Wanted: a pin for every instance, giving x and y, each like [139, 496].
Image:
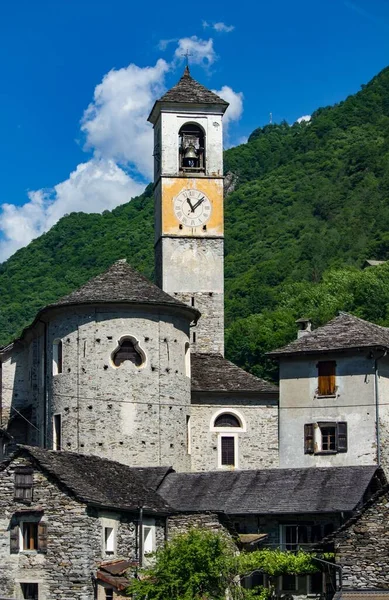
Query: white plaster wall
[353, 403]
[171, 123]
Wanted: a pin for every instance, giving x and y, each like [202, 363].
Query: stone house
[65, 518]
[334, 395]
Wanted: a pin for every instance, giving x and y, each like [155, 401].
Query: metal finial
[187, 54]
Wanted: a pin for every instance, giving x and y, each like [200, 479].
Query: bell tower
[188, 195]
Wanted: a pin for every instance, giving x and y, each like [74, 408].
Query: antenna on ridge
[271, 119]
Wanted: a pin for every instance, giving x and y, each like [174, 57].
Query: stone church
[122, 423]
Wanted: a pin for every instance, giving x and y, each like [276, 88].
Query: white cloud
[234, 111]
[163, 44]
[223, 28]
[94, 186]
[306, 118]
[116, 130]
[201, 52]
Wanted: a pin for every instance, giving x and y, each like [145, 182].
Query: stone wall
[257, 441]
[74, 540]
[362, 547]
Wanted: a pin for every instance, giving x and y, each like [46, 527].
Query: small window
[29, 591]
[293, 537]
[24, 483]
[57, 357]
[227, 451]
[325, 438]
[57, 432]
[149, 543]
[187, 359]
[326, 378]
[28, 535]
[227, 420]
[188, 435]
[108, 593]
[128, 349]
[315, 583]
[109, 540]
[288, 583]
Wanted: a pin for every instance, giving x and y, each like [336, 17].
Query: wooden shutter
[14, 538]
[326, 376]
[42, 537]
[342, 436]
[308, 439]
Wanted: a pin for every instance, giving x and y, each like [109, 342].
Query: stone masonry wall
[74, 540]
[257, 446]
[363, 548]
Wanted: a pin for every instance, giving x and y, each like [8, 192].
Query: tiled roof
[212, 372]
[344, 332]
[100, 481]
[269, 491]
[120, 283]
[189, 90]
[362, 594]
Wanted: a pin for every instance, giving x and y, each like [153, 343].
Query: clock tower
[188, 194]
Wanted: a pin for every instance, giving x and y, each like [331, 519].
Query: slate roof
[120, 283]
[362, 594]
[212, 372]
[100, 481]
[342, 333]
[268, 491]
[190, 90]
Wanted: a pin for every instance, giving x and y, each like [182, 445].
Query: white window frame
[56, 343]
[148, 525]
[188, 435]
[187, 360]
[109, 540]
[228, 411]
[234, 435]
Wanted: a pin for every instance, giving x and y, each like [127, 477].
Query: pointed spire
[186, 71]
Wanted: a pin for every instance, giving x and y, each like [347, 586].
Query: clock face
[192, 208]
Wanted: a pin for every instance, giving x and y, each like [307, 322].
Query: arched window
[187, 359]
[128, 349]
[227, 420]
[228, 425]
[191, 148]
[57, 357]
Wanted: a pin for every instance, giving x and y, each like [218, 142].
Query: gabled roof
[189, 91]
[344, 332]
[101, 482]
[212, 372]
[269, 491]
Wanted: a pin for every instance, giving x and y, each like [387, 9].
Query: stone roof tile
[212, 372]
[341, 333]
[269, 491]
[190, 90]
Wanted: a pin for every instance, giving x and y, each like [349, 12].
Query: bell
[190, 152]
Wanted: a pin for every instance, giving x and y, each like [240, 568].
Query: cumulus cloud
[201, 51]
[306, 118]
[94, 186]
[219, 27]
[121, 141]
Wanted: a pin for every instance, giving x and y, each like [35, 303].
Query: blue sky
[283, 57]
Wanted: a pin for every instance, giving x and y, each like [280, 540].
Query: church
[122, 422]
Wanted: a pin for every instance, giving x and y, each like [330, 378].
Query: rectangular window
[23, 483]
[149, 540]
[108, 593]
[188, 435]
[325, 438]
[28, 535]
[57, 432]
[109, 540]
[227, 450]
[293, 537]
[29, 591]
[326, 378]
[288, 583]
[315, 583]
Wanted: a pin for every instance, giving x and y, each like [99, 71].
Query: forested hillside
[311, 204]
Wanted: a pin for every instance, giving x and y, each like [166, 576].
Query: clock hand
[190, 204]
[198, 203]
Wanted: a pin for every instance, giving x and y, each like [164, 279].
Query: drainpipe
[377, 407]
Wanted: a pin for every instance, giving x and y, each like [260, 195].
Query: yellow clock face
[192, 208]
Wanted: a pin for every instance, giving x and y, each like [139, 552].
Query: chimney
[304, 327]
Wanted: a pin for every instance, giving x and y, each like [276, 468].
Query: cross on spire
[187, 54]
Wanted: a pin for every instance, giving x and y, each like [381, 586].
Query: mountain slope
[312, 202]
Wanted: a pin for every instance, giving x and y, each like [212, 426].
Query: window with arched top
[227, 420]
[128, 349]
[57, 357]
[228, 424]
[191, 145]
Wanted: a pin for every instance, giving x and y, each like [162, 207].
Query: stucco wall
[353, 403]
[257, 442]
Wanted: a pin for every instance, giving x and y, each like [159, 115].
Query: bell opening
[191, 148]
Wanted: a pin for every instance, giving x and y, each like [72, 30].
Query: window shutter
[326, 375]
[342, 436]
[14, 539]
[42, 537]
[308, 439]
